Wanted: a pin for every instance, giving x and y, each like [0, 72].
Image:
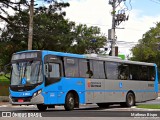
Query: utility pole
[30, 33]
[113, 28]
[116, 20]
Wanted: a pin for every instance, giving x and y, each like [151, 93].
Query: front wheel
[69, 102]
[130, 99]
[41, 107]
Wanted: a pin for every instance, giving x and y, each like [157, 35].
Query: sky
[143, 14]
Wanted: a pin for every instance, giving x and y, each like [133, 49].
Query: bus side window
[71, 67]
[83, 68]
[134, 72]
[111, 70]
[123, 72]
[143, 73]
[54, 70]
[151, 73]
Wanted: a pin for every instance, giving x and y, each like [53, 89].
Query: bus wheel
[41, 107]
[130, 99]
[69, 102]
[103, 105]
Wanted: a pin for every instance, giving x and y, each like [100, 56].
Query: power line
[155, 1]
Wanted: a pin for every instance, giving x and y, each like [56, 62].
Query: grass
[3, 78]
[4, 86]
[149, 106]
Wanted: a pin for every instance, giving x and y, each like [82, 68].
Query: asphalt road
[84, 112]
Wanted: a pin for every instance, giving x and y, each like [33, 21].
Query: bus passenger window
[83, 68]
[111, 70]
[143, 73]
[90, 73]
[71, 67]
[152, 78]
[123, 72]
[151, 73]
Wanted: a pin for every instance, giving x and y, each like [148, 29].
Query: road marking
[4, 106]
[18, 106]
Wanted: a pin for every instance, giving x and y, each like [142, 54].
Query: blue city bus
[48, 78]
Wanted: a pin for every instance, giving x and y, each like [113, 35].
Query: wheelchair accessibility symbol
[120, 84]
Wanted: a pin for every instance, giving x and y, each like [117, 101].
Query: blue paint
[61, 88]
[61, 54]
[156, 80]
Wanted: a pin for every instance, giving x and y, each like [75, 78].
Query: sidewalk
[4, 98]
[4, 103]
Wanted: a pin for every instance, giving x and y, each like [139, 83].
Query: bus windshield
[31, 71]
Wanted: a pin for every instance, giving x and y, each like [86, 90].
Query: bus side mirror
[50, 68]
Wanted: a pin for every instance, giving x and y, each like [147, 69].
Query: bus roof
[118, 59]
[90, 56]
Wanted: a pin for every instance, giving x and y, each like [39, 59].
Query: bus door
[53, 72]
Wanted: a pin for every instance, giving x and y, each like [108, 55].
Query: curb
[144, 109]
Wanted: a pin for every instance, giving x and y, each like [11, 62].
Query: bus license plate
[20, 100]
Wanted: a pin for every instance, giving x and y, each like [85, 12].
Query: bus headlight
[37, 93]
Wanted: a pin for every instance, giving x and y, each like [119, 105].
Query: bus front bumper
[26, 100]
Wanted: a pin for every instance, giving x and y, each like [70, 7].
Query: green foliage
[87, 39]
[14, 5]
[51, 31]
[148, 49]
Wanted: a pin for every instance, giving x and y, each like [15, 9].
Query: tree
[87, 39]
[51, 32]
[15, 6]
[14, 38]
[148, 49]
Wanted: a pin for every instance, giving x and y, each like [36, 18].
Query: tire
[69, 102]
[41, 107]
[103, 105]
[130, 99]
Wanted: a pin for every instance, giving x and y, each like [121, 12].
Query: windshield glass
[30, 71]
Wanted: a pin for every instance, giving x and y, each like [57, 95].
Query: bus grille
[26, 99]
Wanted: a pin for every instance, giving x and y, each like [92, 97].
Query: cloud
[92, 12]
[98, 13]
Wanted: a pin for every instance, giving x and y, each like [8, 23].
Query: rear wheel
[41, 107]
[130, 99]
[69, 102]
